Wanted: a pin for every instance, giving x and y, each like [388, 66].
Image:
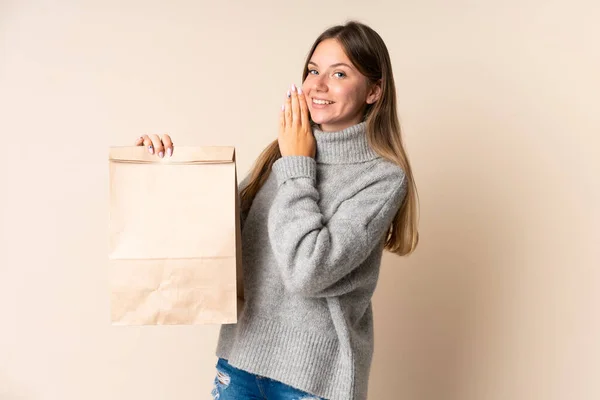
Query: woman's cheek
[309, 104]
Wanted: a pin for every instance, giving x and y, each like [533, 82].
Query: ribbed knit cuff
[288, 167]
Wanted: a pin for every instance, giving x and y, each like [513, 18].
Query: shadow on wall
[431, 335]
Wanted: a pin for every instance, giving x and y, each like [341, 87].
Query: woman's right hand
[156, 145]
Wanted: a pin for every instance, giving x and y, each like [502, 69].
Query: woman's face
[335, 91]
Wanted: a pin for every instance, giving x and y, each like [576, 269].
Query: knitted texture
[312, 243]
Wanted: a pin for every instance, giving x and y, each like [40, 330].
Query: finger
[147, 142]
[168, 143]
[288, 109]
[282, 118]
[139, 141]
[303, 108]
[158, 145]
[296, 118]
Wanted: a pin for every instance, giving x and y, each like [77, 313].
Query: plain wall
[499, 107]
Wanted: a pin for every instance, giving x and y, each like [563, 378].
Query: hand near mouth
[295, 133]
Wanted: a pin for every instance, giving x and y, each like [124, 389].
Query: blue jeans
[234, 384]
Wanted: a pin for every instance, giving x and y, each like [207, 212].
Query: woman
[319, 207]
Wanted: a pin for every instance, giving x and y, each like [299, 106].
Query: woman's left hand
[295, 133]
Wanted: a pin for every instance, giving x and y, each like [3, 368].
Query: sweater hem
[306, 360]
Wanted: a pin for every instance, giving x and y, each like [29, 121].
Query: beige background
[500, 110]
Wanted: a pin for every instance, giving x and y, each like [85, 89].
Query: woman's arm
[314, 256]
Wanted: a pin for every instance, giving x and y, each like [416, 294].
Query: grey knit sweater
[312, 243]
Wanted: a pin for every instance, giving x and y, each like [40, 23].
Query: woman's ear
[374, 92]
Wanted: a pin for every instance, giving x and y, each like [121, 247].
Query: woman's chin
[319, 119]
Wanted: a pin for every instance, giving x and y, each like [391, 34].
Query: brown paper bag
[174, 237]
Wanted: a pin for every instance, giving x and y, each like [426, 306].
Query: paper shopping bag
[174, 237]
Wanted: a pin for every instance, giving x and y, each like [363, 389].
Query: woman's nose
[320, 83]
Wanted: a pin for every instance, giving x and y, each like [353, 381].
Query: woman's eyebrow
[332, 65]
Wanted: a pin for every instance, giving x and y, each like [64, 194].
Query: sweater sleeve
[313, 255]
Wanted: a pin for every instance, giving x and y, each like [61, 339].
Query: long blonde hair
[369, 54]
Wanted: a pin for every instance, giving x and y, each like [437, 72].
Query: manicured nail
[282, 107]
[293, 87]
[289, 94]
[161, 154]
[169, 152]
[150, 149]
[299, 90]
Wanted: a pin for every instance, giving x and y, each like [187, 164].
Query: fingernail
[289, 94]
[299, 90]
[169, 152]
[150, 150]
[282, 107]
[293, 87]
[161, 154]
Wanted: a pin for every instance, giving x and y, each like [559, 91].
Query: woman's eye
[338, 74]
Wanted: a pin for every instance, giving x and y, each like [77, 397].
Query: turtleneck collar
[347, 146]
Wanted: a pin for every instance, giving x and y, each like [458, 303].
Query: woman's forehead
[329, 53]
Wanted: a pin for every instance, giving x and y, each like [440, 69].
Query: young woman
[319, 207]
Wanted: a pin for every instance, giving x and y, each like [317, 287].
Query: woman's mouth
[321, 102]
